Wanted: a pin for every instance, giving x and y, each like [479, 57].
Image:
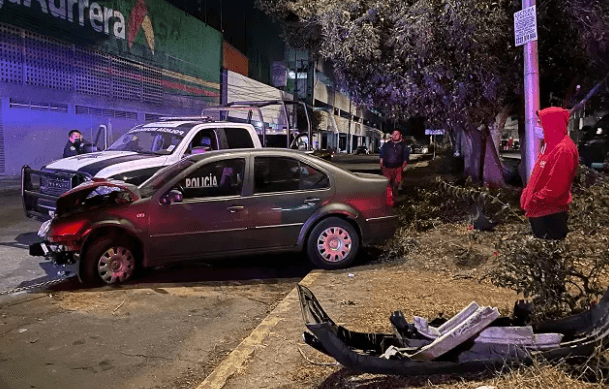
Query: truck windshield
[162, 176]
[153, 141]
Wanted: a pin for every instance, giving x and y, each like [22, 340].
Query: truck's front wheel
[109, 260]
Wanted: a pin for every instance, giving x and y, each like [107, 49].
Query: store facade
[76, 64]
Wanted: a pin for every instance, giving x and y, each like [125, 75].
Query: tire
[109, 260]
[333, 244]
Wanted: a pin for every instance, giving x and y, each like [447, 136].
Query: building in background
[77, 65]
[343, 125]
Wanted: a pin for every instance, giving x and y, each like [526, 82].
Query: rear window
[238, 138]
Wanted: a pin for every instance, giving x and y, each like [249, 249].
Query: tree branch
[581, 104]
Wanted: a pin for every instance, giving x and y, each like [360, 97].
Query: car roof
[181, 122]
[265, 151]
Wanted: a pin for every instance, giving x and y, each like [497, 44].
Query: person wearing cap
[547, 195]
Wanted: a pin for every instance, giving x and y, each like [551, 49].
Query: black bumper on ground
[362, 352]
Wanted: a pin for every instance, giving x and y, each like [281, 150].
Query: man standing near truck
[76, 145]
[394, 158]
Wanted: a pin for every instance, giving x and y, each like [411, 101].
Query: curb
[240, 355]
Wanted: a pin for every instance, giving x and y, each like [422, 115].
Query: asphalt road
[17, 268]
[145, 336]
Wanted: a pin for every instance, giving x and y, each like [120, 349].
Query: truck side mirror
[101, 130]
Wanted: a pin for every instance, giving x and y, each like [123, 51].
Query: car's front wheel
[109, 260]
[333, 244]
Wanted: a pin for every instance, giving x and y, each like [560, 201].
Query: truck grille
[54, 186]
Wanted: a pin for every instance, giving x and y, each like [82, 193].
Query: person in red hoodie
[547, 196]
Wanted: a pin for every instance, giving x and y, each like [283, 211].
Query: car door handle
[235, 208]
[311, 200]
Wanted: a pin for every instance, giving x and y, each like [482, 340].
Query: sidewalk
[10, 184]
[361, 299]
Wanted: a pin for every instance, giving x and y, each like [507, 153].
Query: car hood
[93, 163]
[71, 200]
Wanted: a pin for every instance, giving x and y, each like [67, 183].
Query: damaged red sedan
[218, 204]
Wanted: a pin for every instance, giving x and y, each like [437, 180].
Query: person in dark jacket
[547, 196]
[76, 145]
[394, 158]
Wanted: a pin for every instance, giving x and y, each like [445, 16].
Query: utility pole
[349, 147]
[295, 109]
[525, 29]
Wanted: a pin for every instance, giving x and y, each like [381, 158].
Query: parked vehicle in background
[420, 149]
[362, 150]
[326, 154]
[594, 145]
[218, 204]
[133, 158]
[416, 147]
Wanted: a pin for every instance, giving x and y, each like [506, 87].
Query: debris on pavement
[476, 339]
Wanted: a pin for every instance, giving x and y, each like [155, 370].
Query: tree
[452, 62]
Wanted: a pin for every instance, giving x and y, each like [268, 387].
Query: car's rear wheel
[333, 244]
[109, 260]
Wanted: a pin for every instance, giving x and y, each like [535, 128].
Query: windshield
[161, 141]
[162, 176]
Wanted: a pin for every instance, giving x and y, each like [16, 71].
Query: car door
[210, 219]
[286, 192]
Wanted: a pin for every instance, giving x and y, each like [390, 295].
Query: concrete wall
[36, 121]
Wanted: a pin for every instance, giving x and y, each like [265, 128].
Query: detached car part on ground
[474, 340]
[218, 204]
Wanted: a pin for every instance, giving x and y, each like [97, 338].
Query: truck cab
[132, 158]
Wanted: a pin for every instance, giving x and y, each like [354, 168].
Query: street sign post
[429, 131]
[525, 33]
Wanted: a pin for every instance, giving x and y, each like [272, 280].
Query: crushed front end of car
[64, 234]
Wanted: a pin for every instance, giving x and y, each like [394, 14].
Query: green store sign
[97, 18]
[144, 30]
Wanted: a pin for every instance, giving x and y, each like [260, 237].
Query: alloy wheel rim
[334, 244]
[116, 265]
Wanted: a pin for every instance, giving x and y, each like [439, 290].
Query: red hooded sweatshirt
[549, 188]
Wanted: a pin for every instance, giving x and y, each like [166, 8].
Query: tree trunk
[522, 169]
[493, 170]
[472, 153]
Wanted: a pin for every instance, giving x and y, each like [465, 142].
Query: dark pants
[552, 226]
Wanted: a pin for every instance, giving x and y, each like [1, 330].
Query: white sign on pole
[525, 26]
[434, 132]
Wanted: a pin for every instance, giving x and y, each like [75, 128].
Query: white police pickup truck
[133, 158]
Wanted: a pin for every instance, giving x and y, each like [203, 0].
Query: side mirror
[174, 196]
